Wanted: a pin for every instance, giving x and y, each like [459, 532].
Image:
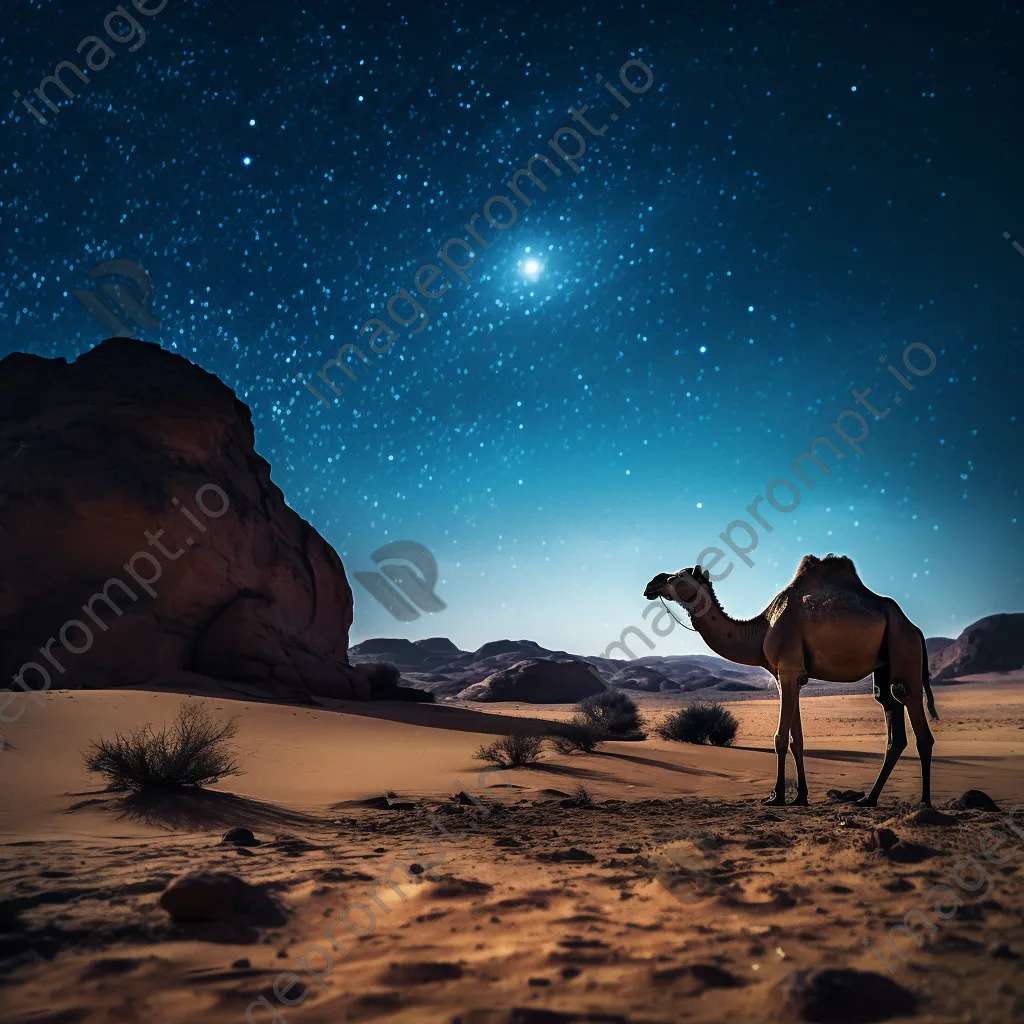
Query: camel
[828, 625]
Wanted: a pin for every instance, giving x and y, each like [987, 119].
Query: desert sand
[672, 896]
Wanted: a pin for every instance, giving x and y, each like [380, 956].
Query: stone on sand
[240, 837]
[840, 995]
[930, 816]
[206, 896]
[844, 796]
[974, 800]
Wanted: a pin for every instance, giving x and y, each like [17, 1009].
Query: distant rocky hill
[537, 680]
[934, 644]
[440, 667]
[992, 644]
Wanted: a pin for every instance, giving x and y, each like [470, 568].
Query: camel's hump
[833, 567]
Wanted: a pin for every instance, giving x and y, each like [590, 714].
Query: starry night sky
[803, 190]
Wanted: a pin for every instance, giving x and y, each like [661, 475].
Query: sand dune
[676, 897]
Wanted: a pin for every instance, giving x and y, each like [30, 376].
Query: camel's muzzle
[654, 588]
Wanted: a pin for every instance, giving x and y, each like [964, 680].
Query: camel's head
[682, 586]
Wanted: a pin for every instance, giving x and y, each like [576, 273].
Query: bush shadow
[201, 810]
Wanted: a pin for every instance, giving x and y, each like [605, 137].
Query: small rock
[421, 973]
[539, 982]
[844, 796]
[1002, 951]
[242, 964]
[244, 852]
[840, 995]
[206, 896]
[541, 1015]
[627, 849]
[930, 816]
[693, 979]
[507, 842]
[975, 800]
[909, 853]
[898, 885]
[884, 839]
[573, 856]
[240, 837]
[971, 912]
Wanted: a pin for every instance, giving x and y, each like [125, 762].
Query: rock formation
[992, 644]
[141, 535]
[538, 681]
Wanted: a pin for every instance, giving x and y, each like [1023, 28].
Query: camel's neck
[738, 640]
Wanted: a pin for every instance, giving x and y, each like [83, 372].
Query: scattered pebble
[240, 837]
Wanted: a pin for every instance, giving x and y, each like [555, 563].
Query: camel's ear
[707, 575]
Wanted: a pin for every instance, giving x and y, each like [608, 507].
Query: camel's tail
[926, 677]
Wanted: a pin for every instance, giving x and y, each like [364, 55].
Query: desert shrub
[612, 711]
[581, 796]
[581, 733]
[195, 750]
[514, 751]
[700, 723]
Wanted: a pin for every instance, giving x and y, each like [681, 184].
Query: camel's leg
[789, 691]
[797, 746]
[923, 735]
[896, 743]
[896, 732]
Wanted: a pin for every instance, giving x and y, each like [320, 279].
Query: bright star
[531, 269]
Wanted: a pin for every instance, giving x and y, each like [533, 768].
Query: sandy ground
[673, 896]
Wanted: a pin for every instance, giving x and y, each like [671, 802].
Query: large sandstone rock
[130, 440]
[538, 681]
[992, 644]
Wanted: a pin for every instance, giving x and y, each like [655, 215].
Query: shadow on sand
[654, 763]
[200, 810]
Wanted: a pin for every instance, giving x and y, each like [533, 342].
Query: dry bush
[581, 796]
[581, 733]
[514, 751]
[700, 723]
[194, 751]
[613, 712]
